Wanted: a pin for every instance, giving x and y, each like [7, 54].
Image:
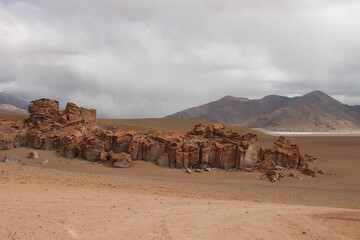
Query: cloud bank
[152, 58]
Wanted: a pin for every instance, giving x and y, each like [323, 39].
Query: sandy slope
[75, 199]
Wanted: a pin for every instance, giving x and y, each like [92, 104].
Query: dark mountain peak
[317, 94]
[318, 97]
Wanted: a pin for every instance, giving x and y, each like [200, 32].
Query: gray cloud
[153, 58]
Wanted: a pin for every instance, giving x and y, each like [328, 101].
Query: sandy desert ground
[76, 199]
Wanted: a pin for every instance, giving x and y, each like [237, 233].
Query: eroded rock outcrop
[50, 129]
[44, 113]
[75, 132]
[285, 154]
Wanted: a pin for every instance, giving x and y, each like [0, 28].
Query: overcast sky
[130, 58]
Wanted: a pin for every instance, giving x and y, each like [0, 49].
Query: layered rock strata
[75, 132]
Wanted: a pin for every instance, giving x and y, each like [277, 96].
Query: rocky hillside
[312, 112]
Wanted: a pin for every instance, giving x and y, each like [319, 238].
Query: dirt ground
[76, 199]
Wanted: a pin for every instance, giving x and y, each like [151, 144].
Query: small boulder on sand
[12, 159]
[121, 160]
[33, 155]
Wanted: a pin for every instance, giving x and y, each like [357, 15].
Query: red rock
[75, 132]
[91, 148]
[34, 139]
[7, 141]
[284, 153]
[163, 161]
[43, 111]
[122, 140]
[104, 156]
[147, 146]
[107, 137]
[74, 115]
[119, 156]
[8, 135]
[120, 160]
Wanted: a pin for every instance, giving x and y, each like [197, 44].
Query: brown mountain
[314, 111]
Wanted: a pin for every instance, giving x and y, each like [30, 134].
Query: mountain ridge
[313, 111]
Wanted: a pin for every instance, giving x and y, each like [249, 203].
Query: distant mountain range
[315, 111]
[12, 104]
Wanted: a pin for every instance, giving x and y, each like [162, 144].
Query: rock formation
[284, 155]
[75, 132]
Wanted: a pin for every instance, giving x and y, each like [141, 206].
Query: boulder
[119, 156]
[122, 164]
[12, 160]
[121, 160]
[33, 155]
